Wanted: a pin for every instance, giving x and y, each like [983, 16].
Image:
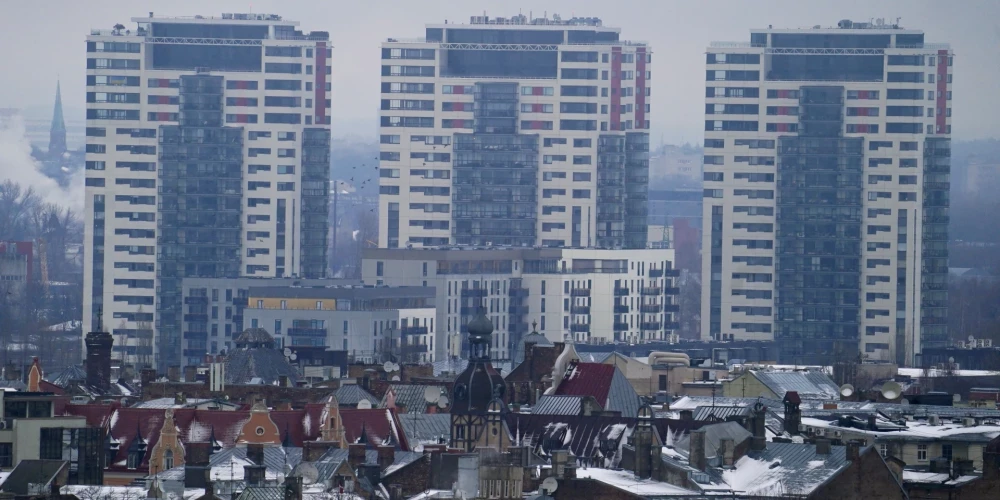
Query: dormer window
[133, 461]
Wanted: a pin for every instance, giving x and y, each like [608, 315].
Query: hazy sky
[44, 40]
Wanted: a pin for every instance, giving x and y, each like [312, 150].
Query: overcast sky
[44, 40]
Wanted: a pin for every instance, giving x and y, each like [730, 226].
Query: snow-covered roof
[934, 372]
[918, 430]
[809, 385]
[910, 476]
[626, 481]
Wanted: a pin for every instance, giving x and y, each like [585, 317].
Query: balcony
[517, 309]
[673, 290]
[672, 273]
[621, 327]
[656, 273]
[650, 325]
[307, 332]
[517, 328]
[671, 325]
[650, 308]
[621, 310]
[579, 328]
[469, 310]
[579, 292]
[621, 291]
[651, 290]
[579, 310]
[195, 300]
[474, 292]
[413, 348]
[196, 317]
[413, 330]
[517, 292]
[671, 308]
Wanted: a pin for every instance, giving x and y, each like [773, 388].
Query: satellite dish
[307, 471]
[431, 394]
[972, 338]
[904, 402]
[395, 378]
[293, 357]
[395, 367]
[387, 366]
[549, 485]
[364, 404]
[287, 352]
[957, 398]
[951, 360]
[891, 390]
[443, 401]
[846, 390]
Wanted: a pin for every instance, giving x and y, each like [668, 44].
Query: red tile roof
[587, 379]
[196, 425]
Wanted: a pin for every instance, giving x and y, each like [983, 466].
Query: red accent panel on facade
[942, 92]
[319, 101]
[537, 90]
[640, 88]
[616, 87]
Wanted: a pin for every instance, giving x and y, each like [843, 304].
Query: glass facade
[818, 234]
[495, 179]
[315, 203]
[200, 213]
[636, 189]
[611, 191]
[934, 255]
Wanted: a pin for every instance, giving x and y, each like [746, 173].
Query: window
[581, 159]
[922, 452]
[537, 91]
[581, 176]
[293, 118]
[581, 193]
[581, 143]
[715, 143]
[946, 451]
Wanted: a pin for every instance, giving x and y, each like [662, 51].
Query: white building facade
[514, 132]
[223, 176]
[826, 192]
[587, 295]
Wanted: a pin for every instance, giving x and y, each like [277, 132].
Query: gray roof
[720, 412]
[331, 460]
[809, 385]
[275, 460]
[622, 396]
[798, 475]
[595, 357]
[425, 427]
[714, 434]
[245, 364]
[352, 394]
[411, 396]
[558, 405]
[28, 472]
[534, 338]
[62, 377]
[262, 493]
[254, 336]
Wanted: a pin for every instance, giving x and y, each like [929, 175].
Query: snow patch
[114, 420]
[755, 477]
[198, 432]
[815, 464]
[307, 424]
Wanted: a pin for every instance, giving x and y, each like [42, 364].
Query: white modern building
[826, 178]
[207, 155]
[373, 324]
[514, 132]
[584, 295]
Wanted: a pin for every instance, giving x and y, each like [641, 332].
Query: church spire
[57, 132]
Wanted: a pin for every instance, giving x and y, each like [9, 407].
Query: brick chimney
[190, 373]
[196, 468]
[356, 454]
[174, 373]
[793, 415]
[727, 449]
[147, 376]
[822, 446]
[293, 488]
[386, 455]
[853, 451]
[696, 456]
[255, 453]
[313, 450]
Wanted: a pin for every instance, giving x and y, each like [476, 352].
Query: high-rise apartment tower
[826, 176]
[207, 156]
[514, 132]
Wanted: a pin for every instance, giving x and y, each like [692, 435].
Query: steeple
[57, 132]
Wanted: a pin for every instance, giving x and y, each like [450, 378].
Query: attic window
[260, 431]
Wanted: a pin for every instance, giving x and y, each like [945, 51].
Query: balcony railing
[651, 290]
[672, 273]
[473, 292]
[656, 273]
[649, 308]
[517, 292]
[621, 291]
[580, 292]
[579, 310]
[621, 327]
[621, 309]
[579, 328]
[650, 325]
[307, 332]
[517, 309]
[413, 330]
[672, 291]
[671, 308]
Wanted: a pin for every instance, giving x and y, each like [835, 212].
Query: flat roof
[344, 292]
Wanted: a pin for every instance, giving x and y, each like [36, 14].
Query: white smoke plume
[16, 164]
